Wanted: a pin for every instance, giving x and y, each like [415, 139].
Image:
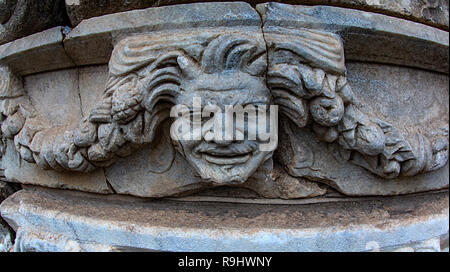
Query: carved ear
[162, 152]
[188, 67]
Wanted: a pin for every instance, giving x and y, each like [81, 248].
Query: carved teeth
[225, 160]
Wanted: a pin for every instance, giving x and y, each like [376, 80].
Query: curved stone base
[55, 220]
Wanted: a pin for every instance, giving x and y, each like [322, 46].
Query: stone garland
[305, 74]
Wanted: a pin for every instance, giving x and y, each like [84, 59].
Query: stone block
[433, 12]
[55, 96]
[6, 233]
[39, 52]
[320, 69]
[367, 36]
[359, 124]
[6, 241]
[92, 41]
[20, 171]
[92, 84]
[54, 220]
[324, 164]
[20, 18]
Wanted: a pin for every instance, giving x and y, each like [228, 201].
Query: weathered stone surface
[92, 41]
[36, 53]
[160, 172]
[405, 97]
[431, 245]
[373, 122]
[18, 170]
[79, 10]
[322, 162]
[367, 36]
[134, 121]
[92, 83]
[156, 170]
[55, 96]
[434, 12]
[306, 70]
[19, 18]
[222, 59]
[64, 221]
[6, 234]
[5, 237]
[271, 181]
[378, 90]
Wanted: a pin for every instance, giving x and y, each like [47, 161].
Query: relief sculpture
[303, 73]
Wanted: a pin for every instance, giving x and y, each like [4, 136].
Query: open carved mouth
[222, 158]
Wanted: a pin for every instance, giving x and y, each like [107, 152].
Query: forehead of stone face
[227, 88]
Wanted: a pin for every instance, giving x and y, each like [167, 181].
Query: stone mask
[220, 160]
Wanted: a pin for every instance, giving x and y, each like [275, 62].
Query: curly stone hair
[307, 77]
[145, 74]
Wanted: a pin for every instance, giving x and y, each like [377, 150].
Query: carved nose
[225, 139]
[222, 142]
[210, 137]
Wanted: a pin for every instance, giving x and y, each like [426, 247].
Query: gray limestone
[39, 52]
[359, 127]
[91, 42]
[91, 84]
[6, 233]
[20, 171]
[367, 37]
[6, 241]
[434, 12]
[19, 18]
[358, 117]
[49, 220]
[324, 164]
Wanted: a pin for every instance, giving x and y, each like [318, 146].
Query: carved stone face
[223, 161]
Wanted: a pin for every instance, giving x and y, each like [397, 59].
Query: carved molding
[306, 75]
[300, 69]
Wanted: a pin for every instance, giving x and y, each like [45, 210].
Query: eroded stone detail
[6, 233]
[427, 11]
[307, 77]
[19, 18]
[62, 220]
[149, 73]
[147, 76]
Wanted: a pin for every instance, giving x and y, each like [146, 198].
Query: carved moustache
[227, 150]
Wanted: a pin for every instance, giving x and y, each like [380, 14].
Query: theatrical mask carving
[303, 74]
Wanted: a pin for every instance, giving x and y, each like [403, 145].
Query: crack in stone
[108, 183]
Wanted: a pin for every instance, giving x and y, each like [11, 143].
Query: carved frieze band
[305, 74]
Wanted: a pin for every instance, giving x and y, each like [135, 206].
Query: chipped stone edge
[58, 48]
[47, 228]
[404, 42]
[345, 19]
[36, 53]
